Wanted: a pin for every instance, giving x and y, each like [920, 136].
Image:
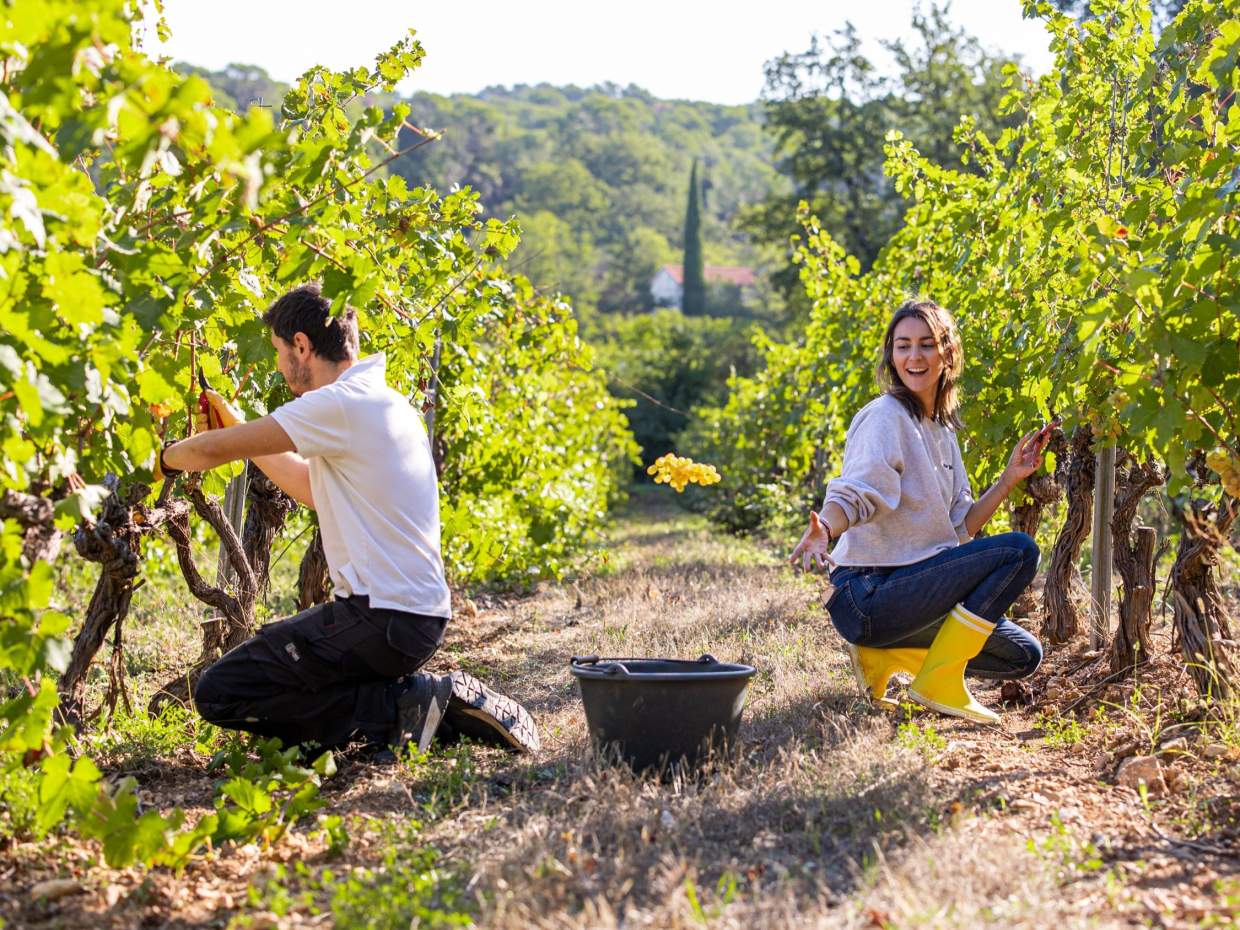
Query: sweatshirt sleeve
[869, 483]
[963, 498]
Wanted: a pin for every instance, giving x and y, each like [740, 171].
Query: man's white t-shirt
[374, 486]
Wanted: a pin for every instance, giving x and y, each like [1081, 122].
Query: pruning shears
[204, 404]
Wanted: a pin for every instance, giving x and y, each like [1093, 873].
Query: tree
[604, 161]
[1164, 10]
[829, 111]
[694, 301]
[239, 86]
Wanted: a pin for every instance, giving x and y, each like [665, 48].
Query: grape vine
[1086, 254]
[144, 230]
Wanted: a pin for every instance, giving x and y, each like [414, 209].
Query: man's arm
[263, 441]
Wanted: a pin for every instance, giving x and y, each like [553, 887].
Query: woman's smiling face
[916, 357]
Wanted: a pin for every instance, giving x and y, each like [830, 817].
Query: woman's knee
[1026, 551]
[1025, 546]
[1023, 652]
[1010, 652]
[1032, 658]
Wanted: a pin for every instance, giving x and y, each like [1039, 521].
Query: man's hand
[219, 413]
[162, 472]
[813, 549]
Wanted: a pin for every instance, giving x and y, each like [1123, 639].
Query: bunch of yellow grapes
[679, 471]
[1228, 467]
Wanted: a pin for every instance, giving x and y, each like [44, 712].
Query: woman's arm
[1026, 458]
[985, 506]
[835, 519]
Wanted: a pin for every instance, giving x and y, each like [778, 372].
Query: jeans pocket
[832, 597]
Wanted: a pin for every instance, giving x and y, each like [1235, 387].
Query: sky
[676, 49]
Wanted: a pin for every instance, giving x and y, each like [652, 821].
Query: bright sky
[680, 50]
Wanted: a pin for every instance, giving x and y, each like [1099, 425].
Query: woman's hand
[814, 545]
[1026, 458]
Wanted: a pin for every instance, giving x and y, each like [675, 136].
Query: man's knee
[209, 696]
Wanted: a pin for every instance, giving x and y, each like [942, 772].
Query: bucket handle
[617, 667]
[613, 667]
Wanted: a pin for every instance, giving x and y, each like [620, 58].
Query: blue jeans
[904, 606]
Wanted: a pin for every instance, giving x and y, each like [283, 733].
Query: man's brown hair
[305, 310]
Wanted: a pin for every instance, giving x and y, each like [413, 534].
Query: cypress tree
[694, 301]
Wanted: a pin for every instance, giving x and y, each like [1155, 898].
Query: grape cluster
[679, 471]
[1223, 461]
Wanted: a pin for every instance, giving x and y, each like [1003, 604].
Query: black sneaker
[474, 710]
[419, 711]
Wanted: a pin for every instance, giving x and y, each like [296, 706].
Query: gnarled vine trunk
[1201, 620]
[235, 622]
[268, 508]
[40, 538]
[1040, 492]
[1062, 621]
[1134, 560]
[114, 540]
[313, 579]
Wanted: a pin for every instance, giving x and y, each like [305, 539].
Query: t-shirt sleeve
[316, 422]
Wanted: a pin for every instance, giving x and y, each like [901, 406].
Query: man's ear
[301, 344]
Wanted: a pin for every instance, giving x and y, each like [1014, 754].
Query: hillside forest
[598, 180]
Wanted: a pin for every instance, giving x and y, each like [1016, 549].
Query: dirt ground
[833, 814]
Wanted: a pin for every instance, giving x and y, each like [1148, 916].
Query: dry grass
[833, 814]
[825, 819]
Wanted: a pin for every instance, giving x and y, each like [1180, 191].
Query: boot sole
[476, 711]
[992, 719]
[854, 659]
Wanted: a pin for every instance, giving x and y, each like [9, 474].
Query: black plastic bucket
[661, 713]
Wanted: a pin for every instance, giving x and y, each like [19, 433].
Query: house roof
[728, 274]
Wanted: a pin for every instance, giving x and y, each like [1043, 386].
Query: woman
[913, 591]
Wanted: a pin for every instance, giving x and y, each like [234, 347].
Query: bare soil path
[835, 814]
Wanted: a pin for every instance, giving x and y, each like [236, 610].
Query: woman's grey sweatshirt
[903, 488]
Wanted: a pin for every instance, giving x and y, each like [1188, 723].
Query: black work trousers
[326, 676]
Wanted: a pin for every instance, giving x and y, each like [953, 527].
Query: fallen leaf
[55, 888]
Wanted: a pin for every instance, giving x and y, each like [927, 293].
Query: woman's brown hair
[946, 397]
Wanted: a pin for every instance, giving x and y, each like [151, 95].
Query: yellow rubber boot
[940, 683]
[873, 668]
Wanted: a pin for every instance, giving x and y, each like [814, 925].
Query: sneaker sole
[477, 711]
[441, 691]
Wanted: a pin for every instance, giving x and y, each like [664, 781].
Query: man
[357, 452]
